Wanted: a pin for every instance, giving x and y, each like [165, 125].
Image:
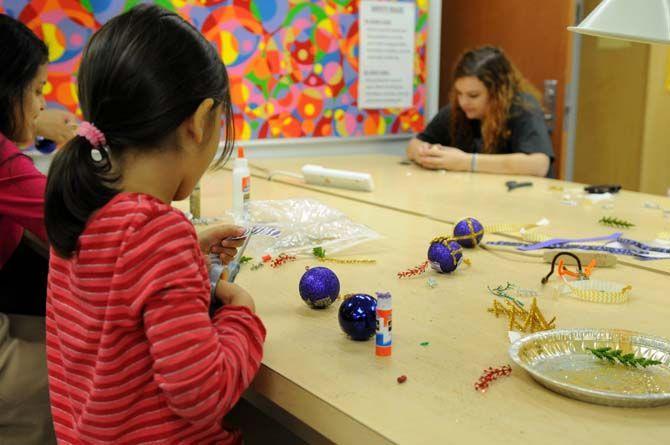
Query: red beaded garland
[281, 259]
[491, 374]
[414, 271]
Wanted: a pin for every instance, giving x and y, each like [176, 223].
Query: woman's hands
[438, 157]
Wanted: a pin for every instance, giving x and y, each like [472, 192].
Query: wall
[623, 120]
[655, 171]
[292, 64]
[610, 112]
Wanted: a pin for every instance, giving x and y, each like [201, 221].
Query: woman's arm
[416, 148]
[533, 164]
[436, 132]
[450, 158]
[21, 190]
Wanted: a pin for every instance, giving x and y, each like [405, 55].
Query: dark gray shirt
[528, 131]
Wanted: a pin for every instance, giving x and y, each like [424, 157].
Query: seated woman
[493, 124]
[24, 400]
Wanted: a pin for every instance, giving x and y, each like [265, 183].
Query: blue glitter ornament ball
[445, 256]
[45, 146]
[468, 232]
[357, 316]
[319, 287]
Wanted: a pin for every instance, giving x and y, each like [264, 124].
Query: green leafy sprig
[501, 291]
[617, 355]
[245, 259]
[616, 222]
[319, 252]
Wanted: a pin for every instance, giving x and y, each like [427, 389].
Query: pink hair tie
[94, 136]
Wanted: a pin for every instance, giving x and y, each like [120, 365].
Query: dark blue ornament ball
[468, 232]
[45, 146]
[357, 316]
[445, 257]
[319, 287]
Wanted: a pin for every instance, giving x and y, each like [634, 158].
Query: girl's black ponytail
[80, 181]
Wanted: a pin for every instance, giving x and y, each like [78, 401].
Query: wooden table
[338, 386]
[449, 196]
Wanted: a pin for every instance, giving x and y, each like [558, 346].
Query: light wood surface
[338, 386]
[449, 196]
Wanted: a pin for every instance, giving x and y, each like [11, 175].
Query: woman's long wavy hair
[503, 81]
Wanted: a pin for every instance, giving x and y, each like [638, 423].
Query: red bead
[402, 379]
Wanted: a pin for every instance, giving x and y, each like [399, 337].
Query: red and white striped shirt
[133, 355]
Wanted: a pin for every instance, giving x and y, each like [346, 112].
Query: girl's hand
[232, 294]
[437, 157]
[214, 240]
[57, 125]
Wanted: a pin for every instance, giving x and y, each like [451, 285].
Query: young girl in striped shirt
[133, 355]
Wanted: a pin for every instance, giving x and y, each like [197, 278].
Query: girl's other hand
[234, 295]
[57, 125]
[215, 240]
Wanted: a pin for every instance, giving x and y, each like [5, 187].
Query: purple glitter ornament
[319, 287]
[468, 232]
[357, 316]
[445, 256]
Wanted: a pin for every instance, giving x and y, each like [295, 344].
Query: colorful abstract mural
[293, 64]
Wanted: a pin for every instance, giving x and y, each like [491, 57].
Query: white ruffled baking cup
[599, 291]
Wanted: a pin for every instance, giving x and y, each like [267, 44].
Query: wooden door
[531, 32]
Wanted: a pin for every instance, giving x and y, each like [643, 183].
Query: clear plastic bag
[303, 225]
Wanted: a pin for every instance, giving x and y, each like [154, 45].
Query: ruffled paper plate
[597, 291]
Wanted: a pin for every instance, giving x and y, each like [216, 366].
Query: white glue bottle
[241, 184]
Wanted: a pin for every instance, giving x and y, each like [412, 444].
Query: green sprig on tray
[245, 259]
[617, 355]
[616, 222]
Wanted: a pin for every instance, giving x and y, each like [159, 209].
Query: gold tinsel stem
[347, 261]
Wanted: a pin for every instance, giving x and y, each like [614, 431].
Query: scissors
[230, 273]
[511, 185]
[227, 273]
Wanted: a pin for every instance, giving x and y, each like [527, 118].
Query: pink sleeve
[22, 189]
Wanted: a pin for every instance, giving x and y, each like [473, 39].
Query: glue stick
[383, 337]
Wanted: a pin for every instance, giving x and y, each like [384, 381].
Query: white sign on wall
[386, 54]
